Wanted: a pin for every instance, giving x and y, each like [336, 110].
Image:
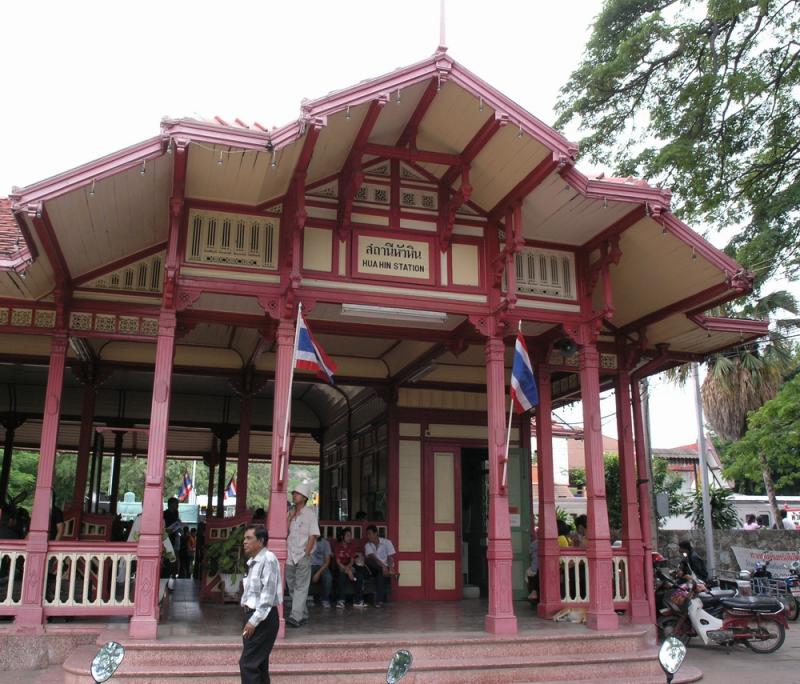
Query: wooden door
[442, 522]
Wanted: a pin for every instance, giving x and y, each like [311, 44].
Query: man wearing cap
[303, 533]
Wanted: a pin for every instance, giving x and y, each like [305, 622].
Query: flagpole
[504, 479]
[284, 443]
[193, 495]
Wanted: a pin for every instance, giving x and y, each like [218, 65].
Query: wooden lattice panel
[232, 239]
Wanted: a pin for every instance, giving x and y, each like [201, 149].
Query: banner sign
[393, 258]
[746, 558]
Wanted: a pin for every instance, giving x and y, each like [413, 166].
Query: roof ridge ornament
[442, 48]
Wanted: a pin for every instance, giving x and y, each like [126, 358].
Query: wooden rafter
[408, 138]
[524, 187]
[474, 147]
[352, 175]
[404, 154]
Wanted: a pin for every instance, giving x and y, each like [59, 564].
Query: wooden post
[500, 619]
[30, 614]
[549, 553]
[245, 418]
[84, 445]
[114, 493]
[144, 623]
[631, 527]
[601, 613]
[11, 422]
[276, 518]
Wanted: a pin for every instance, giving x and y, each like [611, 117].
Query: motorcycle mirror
[671, 655]
[107, 661]
[398, 666]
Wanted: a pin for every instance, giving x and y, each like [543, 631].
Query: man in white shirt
[262, 594]
[379, 554]
[303, 533]
[786, 521]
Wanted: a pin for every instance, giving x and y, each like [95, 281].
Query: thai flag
[309, 355]
[524, 393]
[230, 490]
[186, 487]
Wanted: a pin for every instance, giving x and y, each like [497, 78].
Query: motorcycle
[759, 622]
[793, 591]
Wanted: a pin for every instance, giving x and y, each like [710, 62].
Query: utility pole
[701, 443]
[645, 384]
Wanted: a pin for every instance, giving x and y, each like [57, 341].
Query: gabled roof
[14, 251]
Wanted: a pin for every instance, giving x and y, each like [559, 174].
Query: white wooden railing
[620, 578]
[81, 580]
[574, 571]
[12, 573]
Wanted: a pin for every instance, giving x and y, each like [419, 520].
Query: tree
[773, 436]
[723, 511]
[701, 96]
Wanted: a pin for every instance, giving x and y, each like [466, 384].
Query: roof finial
[442, 37]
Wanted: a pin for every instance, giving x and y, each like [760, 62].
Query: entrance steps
[575, 655]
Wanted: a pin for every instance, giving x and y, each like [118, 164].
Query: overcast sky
[83, 79]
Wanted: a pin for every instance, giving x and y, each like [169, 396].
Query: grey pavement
[743, 665]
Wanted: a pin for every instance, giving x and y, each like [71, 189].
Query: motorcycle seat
[715, 596]
[755, 604]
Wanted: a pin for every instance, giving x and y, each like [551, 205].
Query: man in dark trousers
[263, 593]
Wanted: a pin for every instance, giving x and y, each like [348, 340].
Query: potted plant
[226, 559]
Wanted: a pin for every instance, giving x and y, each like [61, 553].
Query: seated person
[320, 569]
[532, 573]
[563, 534]
[379, 555]
[348, 571]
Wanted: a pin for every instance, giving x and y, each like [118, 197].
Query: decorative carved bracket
[450, 207]
[585, 333]
[489, 326]
[610, 253]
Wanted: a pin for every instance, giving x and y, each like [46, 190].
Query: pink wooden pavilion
[419, 217]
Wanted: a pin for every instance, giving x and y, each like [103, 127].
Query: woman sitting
[348, 571]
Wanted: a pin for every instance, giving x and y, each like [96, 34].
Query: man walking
[263, 593]
[303, 533]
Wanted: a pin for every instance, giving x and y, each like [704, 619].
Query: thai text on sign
[393, 258]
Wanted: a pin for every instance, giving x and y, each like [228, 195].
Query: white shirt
[301, 527]
[788, 523]
[263, 589]
[384, 549]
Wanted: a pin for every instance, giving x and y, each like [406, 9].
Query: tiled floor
[186, 617]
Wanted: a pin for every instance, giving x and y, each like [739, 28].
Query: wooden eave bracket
[610, 254]
[448, 210]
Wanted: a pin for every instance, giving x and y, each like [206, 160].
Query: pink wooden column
[144, 623]
[30, 616]
[245, 418]
[500, 619]
[549, 579]
[601, 613]
[644, 496]
[276, 518]
[631, 527]
[84, 444]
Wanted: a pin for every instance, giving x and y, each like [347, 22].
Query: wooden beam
[352, 176]
[616, 228]
[120, 263]
[409, 135]
[474, 147]
[404, 154]
[524, 187]
[47, 237]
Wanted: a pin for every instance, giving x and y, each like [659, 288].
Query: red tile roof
[11, 240]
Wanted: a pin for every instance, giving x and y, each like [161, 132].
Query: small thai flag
[186, 487]
[309, 355]
[230, 490]
[524, 393]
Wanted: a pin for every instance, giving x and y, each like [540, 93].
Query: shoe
[326, 604]
[378, 605]
[340, 604]
[291, 622]
[359, 604]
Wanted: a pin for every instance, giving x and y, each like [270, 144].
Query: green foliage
[563, 516]
[577, 477]
[723, 511]
[774, 432]
[701, 96]
[665, 482]
[227, 556]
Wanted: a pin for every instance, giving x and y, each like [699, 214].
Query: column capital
[489, 326]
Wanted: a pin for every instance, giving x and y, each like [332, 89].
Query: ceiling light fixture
[389, 313]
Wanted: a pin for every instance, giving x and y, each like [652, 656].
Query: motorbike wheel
[666, 627]
[792, 607]
[769, 636]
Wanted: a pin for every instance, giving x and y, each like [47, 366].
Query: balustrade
[574, 572]
[12, 574]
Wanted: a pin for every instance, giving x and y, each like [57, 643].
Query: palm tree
[742, 379]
